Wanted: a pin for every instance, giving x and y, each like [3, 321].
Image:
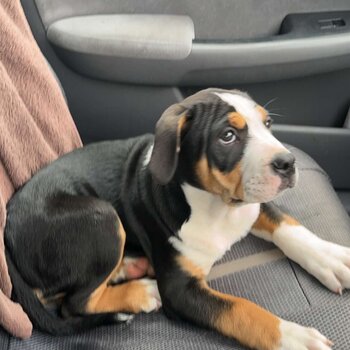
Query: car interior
[122, 63]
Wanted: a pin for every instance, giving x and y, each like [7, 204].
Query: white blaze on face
[260, 183]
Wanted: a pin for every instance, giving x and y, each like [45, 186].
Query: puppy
[184, 196]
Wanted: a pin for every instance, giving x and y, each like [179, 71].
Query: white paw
[296, 337]
[330, 264]
[121, 317]
[154, 302]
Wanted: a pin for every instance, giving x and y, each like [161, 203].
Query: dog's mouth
[226, 198]
[271, 188]
[288, 182]
[234, 201]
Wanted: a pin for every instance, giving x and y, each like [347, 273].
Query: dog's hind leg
[94, 292]
[133, 296]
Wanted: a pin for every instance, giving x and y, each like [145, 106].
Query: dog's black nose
[284, 164]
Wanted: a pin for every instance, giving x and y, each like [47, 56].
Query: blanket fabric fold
[35, 128]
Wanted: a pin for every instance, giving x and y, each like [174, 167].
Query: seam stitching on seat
[298, 281]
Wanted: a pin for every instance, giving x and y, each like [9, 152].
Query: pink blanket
[35, 128]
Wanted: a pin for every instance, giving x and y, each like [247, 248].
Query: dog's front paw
[296, 337]
[330, 264]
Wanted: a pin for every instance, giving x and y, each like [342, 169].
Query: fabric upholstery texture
[36, 127]
[280, 286]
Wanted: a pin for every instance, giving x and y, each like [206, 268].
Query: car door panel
[237, 44]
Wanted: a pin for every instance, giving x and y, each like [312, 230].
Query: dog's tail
[48, 322]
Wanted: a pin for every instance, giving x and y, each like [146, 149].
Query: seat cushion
[253, 269]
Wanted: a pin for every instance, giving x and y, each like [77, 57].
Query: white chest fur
[212, 227]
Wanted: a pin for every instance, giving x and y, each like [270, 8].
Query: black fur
[62, 226]
[272, 212]
[45, 320]
[62, 239]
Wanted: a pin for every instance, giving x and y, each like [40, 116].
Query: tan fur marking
[263, 112]
[243, 320]
[206, 177]
[181, 122]
[40, 296]
[131, 297]
[248, 323]
[189, 267]
[55, 299]
[180, 125]
[290, 221]
[121, 248]
[116, 272]
[227, 185]
[264, 223]
[231, 181]
[237, 120]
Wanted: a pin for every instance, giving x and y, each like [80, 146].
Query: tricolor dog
[185, 195]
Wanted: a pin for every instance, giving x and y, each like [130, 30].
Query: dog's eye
[228, 136]
[268, 122]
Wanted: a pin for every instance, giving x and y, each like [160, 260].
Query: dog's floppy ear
[167, 142]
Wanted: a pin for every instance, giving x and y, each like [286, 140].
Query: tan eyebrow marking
[237, 120]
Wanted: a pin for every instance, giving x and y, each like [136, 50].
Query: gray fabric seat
[277, 284]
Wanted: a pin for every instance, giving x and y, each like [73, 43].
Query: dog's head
[220, 141]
